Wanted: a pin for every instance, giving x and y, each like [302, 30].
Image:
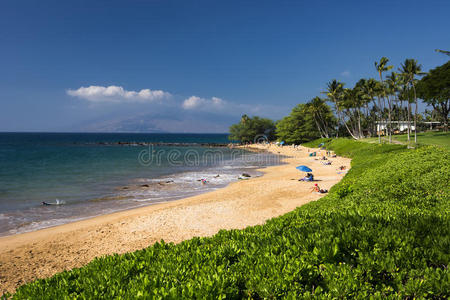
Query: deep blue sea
[90, 174]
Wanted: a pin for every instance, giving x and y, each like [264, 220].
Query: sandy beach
[28, 256]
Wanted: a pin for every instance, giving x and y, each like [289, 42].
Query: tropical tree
[370, 87]
[322, 116]
[393, 86]
[434, 90]
[352, 102]
[298, 127]
[443, 52]
[410, 69]
[249, 128]
[244, 119]
[381, 67]
[404, 96]
[334, 94]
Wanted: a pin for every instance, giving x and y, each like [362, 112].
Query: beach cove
[39, 254]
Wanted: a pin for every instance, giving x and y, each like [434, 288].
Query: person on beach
[308, 177]
[317, 189]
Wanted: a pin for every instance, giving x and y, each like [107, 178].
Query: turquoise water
[92, 175]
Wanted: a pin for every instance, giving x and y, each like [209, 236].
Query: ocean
[91, 174]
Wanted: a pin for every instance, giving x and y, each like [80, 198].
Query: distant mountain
[188, 123]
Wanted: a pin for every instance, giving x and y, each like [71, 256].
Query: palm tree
[371, 88]
[394, 86]
[334, 93]
[320, 111]
[410, 68]
[383, 67]
[244, 119]
[365, 94]
[443, 51]
[351, 103]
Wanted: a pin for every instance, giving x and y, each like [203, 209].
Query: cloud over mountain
[117, 94]
[195, 102]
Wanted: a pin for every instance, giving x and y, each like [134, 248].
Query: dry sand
[25, 257]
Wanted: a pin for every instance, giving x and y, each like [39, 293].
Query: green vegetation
[434, 89]
[248, 130]
[429, 138]
[306, 122]
[441, 139]
[384, 230]
[370, 108]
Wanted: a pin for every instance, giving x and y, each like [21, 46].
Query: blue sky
[195, 66]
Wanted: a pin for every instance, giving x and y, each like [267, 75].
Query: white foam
[4, 217]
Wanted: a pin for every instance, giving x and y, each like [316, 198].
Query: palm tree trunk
[348, 129]
[415, 114]
[379, 121]
[338, 115]
[359, 124]
[409, 121]
[324, 124]
[390, 124]
[318, 126]
[401, 115]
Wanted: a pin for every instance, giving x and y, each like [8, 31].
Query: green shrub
[383, 231]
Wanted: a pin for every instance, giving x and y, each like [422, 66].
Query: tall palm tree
[405, 95]
[383, 67]
[371, 87]
[319, 109]
[410, 69]
[351, 104]
[334, 93]
[365, 94]
[394, 86]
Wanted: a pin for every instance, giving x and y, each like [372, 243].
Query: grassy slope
[383, 231]
[429, 138]
[423, 138]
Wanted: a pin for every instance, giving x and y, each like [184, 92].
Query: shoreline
[135, 192]
[42, 253]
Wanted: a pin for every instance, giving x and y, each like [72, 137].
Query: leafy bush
[383, 231]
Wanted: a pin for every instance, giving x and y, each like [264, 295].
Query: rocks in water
[145, 185]
[246, 175]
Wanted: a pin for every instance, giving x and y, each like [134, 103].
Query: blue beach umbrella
[282, 143]
[304, 169]
[321, 144]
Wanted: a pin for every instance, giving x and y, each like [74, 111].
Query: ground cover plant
[382, 231]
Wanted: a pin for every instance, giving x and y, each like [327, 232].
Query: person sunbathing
[308, 177]
[317, 189]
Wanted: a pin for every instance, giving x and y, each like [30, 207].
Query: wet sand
[39, 254]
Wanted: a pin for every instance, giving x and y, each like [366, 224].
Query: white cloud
[117, 94]
[195, 102]
[346, 73]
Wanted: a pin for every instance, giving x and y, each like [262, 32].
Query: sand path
[25, 257]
